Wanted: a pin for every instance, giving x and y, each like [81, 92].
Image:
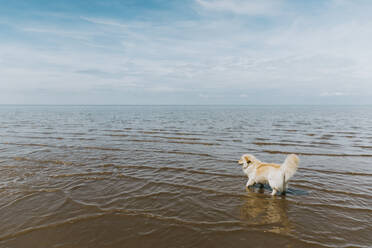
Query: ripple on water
[168, 176]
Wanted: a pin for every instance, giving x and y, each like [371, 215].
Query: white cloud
[103, 21]
[333, 94]
[301, 55]
[202, 95]
[251, 7]
[167, 89]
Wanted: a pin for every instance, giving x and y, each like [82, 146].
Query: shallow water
[167, 176]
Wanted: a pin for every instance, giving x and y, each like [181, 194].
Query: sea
[167, 176]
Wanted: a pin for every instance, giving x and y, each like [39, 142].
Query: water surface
[167, 176]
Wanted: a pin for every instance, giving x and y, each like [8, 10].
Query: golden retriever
[276, 175]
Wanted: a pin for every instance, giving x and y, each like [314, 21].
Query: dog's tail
[289, 167]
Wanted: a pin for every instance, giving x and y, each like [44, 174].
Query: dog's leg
[274, 192]
[249, 183]
[285, 188]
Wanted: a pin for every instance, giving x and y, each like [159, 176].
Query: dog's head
[247, 159]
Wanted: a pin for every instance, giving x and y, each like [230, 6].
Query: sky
[186, 52]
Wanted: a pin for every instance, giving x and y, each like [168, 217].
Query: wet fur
[276, 175]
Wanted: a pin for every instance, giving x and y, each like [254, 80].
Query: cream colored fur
[277, 176]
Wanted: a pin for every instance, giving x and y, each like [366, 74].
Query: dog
[276, 175]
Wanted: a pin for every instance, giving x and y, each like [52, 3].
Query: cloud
[211, 55]
[333, 94]
[242, 7]
[99, 73]
[103, 21]
[167, 89]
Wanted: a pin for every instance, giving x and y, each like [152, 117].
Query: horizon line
[274, 104]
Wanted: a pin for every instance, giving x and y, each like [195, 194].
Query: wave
[279, 144]
[32, 137]
[110, 149]
[102, 173]
[27, 144]
[183, 186]
[317, 154]
[117, 135]
[174, 138]
[338, 172]
[183, 153]
[345, 132]
[261, 139]
[323, 143]
[313, 186]
[364, 147]
[71, 220]
[175, 142]
[176, 169]
[102, 148]
[172, 133]
[116, 130]
[336, 207]
[59, 162]
[326, 136]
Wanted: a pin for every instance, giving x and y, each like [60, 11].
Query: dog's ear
[245, 159]
[248, 159]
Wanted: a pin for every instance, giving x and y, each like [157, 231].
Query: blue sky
[185, 52]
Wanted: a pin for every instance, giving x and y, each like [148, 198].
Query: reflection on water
[260, 209]
[167, 176]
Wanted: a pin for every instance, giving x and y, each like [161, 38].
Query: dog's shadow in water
[261, 188]
[261, 209]
[265, 211]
